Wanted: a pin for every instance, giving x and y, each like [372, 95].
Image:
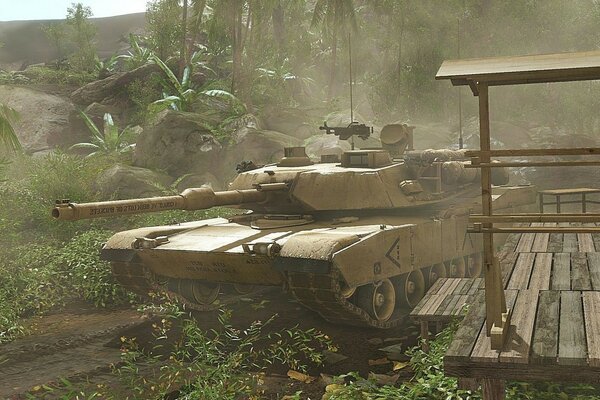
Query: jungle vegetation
[254, 56]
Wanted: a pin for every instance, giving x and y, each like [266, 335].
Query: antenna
[351, 99]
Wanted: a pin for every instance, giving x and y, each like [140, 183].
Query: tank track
[137, 279]
[322, 294]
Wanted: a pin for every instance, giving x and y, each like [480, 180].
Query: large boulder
[198, 180]
[259, 146]
[127, 182]
[177, 143]
[113, 85]
[292, 122]
[45, 118]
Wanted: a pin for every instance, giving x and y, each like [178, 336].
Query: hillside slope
[25, 42]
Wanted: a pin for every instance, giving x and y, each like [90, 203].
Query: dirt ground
[80, 343]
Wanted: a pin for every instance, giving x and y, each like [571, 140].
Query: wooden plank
[464, 300]
[466, 335]
[580, 274]
[507, 267]
[544, 348]
[463, 285]
[572, 345]
[540, 243]
[561, 272]
[525, 243]
[437, 285]
[482, 352]
[594, 267]
[522, 272]
[451, 305]
[443, 305]
[570, 243]
[432, 302]
[591, 312]
[516, 349]
[437, 299]
[555, 243]
[586, 243]
[432, 290]
[540, 277]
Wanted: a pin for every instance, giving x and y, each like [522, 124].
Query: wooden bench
[445, 299]
[558, 193]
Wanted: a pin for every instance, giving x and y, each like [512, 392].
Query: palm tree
[8, 137]
[336, 18]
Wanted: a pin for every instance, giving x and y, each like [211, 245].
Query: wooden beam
[541, 229]
[503, 164]
[532, 218]
[536, 152]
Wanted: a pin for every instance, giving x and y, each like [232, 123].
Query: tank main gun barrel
[190, 199]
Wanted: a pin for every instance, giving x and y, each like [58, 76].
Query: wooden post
[583, 203]
[425, 335]
[493, 389]
[497, 317]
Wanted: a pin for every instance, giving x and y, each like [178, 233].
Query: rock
[394, 352]
[98, 90]
[319, 145]
[178, 143]
[375, 341]
[198, 180]
[96, 112]
[332, 358]
[127, 182]
[45, 119]
[259, 146]
[292, 122]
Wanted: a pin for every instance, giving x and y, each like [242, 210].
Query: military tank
[358, 238]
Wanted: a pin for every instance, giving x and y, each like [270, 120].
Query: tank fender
[119, 247]
[311, 251]
[380, 255]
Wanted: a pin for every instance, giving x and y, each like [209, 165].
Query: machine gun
[344, 133]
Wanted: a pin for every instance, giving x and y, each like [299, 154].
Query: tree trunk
[278, 17]
[182, 55]
[332, 71]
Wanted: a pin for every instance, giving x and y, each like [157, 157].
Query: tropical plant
[103, 68]
[180, 95]
[8, 137]
[138, 55]
[111, 141]
[164, 29]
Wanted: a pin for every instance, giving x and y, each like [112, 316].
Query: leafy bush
[90, 277]
[59, 76]
[220, 364]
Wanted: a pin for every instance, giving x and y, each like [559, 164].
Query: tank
[358, 238]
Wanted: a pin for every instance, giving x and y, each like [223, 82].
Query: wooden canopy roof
[561, 67]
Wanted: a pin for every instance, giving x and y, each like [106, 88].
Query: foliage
[81, 34]
[91, 277]
[111, 142]
[219, 364]
[57, 34]
[8, 136]
[12, 78]
[164, 29]
[138, 55]
[430, 383]
[104, 68]
[59, 75]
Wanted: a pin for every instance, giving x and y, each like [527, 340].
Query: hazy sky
[11, 10]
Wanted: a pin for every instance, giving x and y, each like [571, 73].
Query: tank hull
[329, 263]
